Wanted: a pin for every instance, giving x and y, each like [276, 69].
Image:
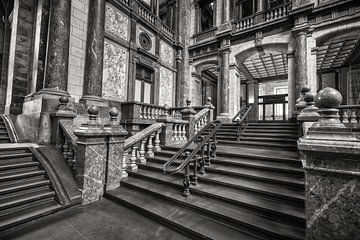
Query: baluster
[202, 162]
[178, 130]
[144, 112]
[150, 147]
[70, 157]
[65, 148]
[141, 112]
[149, 112]
[184, 132]
[133, 166]
[194, 179]
[156, 113]
[344, 117]
[186, 181]
[358, 116]
[124, 173]
[142, 158]
[353, 116]
[153, 113]
[173, 133]
[157, 147]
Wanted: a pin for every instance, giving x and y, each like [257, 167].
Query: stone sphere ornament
[305, 89]
[166, 109]
[92, 112]
[64, 99]
[328, 98]
[309, 98]
[114, 112]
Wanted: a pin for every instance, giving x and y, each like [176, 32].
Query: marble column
[259, 15]
[291, 85]
[92, 88]
[253, 98]
[300, 60]
[58, 47]
[226, 11]
[223, 87]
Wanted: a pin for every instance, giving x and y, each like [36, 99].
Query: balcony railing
[146, 14]
[261, 17]
[276, 13]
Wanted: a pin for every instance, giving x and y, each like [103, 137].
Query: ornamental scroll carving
[116, 23]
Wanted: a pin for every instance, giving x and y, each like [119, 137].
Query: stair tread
[5, 177]
[237, 196]
[221, 208]
[256, 173]
[188, 220]
[23, 198]
[264, 144]
[279, 135]
[248, 138]
[17, 165]
[15, 155]
[28, 214]
[289, 166]
[23, 185]
[243, 183]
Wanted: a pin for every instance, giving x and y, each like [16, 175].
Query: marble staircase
[250, 191]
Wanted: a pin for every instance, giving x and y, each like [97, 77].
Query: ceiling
[270, 65]
[334, 54]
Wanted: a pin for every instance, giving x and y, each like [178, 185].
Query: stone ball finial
[64, 99]
[328, 98]
[93, 111]
[114, 113]
[309, 98]
[166, 109]
[209, 99]
[188, 102]
[304, 89]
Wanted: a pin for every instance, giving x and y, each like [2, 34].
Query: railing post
[332, 168]
[64, 114]
[166, 135]
[308, 115]
[150, 146]
[188, 114]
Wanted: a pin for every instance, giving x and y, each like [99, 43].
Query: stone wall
[79, 19]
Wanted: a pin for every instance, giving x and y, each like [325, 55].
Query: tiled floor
[103, 220]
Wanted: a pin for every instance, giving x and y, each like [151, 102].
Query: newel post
[188, 114]
[211, 108]
[99, 155]
[332, 173]
[64, 114]
[166, 134]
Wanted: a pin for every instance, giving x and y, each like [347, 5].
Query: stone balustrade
[349, 113]
[140, 146]
[243, 23]
[276, 13]
[146, 14]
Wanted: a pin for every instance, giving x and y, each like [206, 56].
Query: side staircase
[34, 182]
[254, 189]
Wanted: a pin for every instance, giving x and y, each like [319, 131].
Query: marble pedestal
[332, 167]
[99, 160]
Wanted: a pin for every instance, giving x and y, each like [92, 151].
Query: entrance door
[273, 107]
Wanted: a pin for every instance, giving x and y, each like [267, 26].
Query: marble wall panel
[114, 170]
[115, 74]
[166, 53]
[116, 23]
[166, 87]
[140, 29]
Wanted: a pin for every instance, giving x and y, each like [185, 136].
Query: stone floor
[98, 221]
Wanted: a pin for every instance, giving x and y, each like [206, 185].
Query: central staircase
[254, 189]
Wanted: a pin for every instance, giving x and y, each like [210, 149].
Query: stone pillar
[253, 98]
[188, 114]
[223, 87]
[291, 85]
[332, 171]
[259, 15]
[226, 11]
[300, 60]
[92, 88]
[99, 156]
[183, 83]
[58, 47]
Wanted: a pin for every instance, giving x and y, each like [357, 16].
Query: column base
[224, 118]
[88, 100]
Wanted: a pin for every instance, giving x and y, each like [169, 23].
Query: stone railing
[243, 23]
[276, 13]
[68, 144]
[140, 146]
[349, 113]
[168, 31]
[146, 14]
[126, 2]
[140, 112]
[201, 119]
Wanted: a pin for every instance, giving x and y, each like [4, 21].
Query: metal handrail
[239, 113]
[216, 124]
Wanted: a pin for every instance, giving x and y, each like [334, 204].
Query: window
[144, 84]
[206, 18]
[275, 3]
[243, 8]
[167, 12]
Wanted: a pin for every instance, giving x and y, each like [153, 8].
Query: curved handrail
[244, 111]
[216, 124]
[201, 113]
[69, 133]
[142, 134]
